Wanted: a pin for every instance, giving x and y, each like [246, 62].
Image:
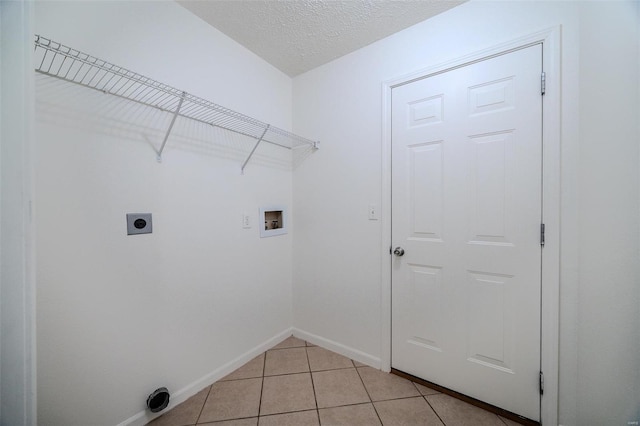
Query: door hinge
[543, 83]
[542, 234]
[541, 383]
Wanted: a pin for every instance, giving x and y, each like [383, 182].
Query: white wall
[119, 316]
[609, 282]
[17, 282]
[337, 255]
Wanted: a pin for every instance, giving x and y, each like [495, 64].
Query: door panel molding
[550, 39]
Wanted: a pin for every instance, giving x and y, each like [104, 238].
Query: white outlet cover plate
[373, 212]
[246, 221]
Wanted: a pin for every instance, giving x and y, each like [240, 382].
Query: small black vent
[158, 400]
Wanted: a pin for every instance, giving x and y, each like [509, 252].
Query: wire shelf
[63, 62]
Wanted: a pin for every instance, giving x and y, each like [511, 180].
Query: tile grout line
[432, 407]
[354, 404]
[313, 387]
[396, 399]
[332, 369]
[367, 391]
[285, 374]
[299, 372]
[274, 414]
[281, 349]
[264, 367]
[204, 403]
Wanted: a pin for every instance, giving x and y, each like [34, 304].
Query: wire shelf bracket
[253, 150]
[68, 64]
[166, 136]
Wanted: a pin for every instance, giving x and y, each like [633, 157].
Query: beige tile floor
[298, 384]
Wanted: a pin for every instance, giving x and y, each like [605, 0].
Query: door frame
[551, 140]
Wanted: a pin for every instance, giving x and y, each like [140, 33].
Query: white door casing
[467, 209]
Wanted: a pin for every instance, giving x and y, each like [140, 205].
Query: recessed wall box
[138, 223]
[273, 221]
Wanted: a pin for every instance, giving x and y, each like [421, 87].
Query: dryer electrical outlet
[139, 223]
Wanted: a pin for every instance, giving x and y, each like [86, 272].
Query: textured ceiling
[298, 35]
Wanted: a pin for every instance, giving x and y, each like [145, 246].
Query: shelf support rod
[254, 148]
[173, 120]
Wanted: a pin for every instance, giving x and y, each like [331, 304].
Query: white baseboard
[144, 417]
[339, 348]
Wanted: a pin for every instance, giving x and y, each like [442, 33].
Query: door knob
[399, 251]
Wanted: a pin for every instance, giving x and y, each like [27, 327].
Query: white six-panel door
[466, 210]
